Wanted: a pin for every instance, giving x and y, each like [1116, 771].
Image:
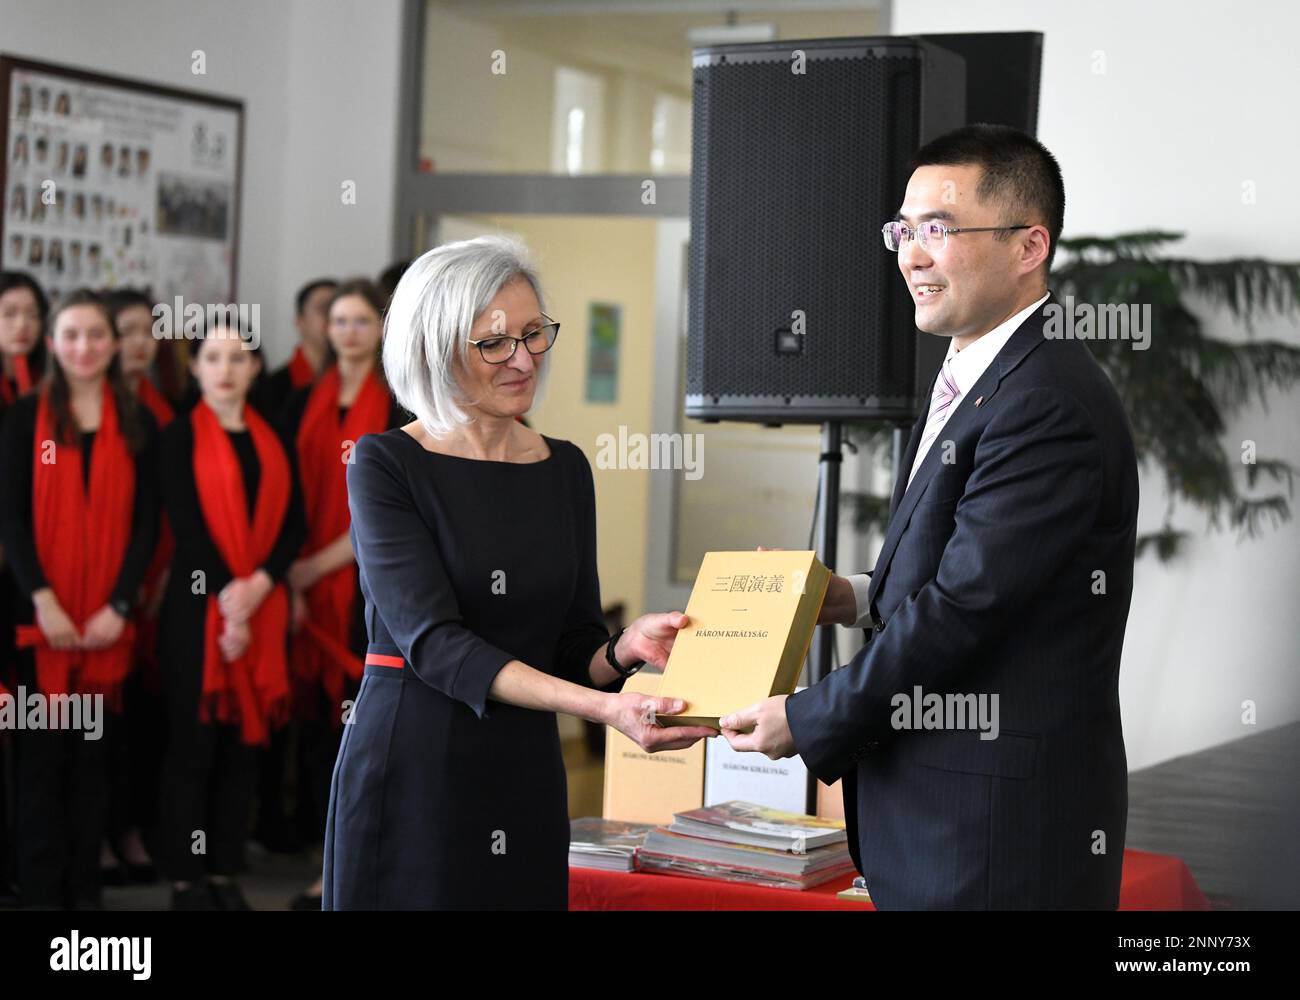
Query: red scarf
[253, 690]
[325, 655]
[81, 540]
[157, 403]
[22, 380]
[301, 372]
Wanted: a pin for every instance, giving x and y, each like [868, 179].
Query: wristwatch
[622, 671]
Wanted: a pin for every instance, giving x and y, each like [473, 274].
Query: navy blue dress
[441, 799]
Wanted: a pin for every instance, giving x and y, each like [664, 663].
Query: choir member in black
[270, 394]
[24, 309]
[78, 517]
[23, 312]
[324, 422]
[476, 541]
[137, 757]
[311, 354]
[232, 498]
[132, 312]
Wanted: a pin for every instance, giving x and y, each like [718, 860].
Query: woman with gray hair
[476, 544]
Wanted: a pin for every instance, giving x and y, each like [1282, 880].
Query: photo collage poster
[109, 185]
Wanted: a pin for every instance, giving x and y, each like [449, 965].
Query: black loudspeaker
[798, 313]
[1002, 75]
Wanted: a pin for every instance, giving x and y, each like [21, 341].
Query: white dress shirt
[965, 367]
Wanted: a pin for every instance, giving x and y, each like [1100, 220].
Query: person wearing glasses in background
[1006, 571]
[476, 541]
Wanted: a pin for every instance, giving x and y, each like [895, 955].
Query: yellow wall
[584, 259]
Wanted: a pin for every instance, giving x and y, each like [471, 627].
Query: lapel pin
[978, 401]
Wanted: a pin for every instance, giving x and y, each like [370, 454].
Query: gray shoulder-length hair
[430, 317]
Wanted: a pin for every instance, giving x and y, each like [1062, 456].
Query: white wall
[1189, 108]
[319, 82]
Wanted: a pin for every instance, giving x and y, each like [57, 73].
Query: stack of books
[744, 842]
[607, 844]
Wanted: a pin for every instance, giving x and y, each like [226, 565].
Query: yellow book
[645, 787]
[752, 616]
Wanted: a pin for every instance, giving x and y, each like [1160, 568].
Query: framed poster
[111, 182]
[604, 328]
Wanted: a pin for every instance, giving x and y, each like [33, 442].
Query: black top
[508, 572]
[195, 549]
[272, 391]
[19, 539]
[465, 565]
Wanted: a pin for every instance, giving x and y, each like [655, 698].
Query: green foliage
[1182, 390]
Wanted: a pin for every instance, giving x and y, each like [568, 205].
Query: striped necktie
[945, 391]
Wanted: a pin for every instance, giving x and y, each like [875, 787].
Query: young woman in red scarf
[329, 641]
[231, 495]
[132, 312]
[79, 520]
[23, 311]
[137, 758]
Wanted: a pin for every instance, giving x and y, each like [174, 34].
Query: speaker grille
[792, 177]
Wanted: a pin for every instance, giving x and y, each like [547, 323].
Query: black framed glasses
[933, 235]
[498, 350]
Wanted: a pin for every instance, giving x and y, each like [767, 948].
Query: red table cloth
[1149, 882]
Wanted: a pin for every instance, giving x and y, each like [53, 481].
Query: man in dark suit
[1004, 579]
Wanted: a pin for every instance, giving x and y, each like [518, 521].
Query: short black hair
[390, 276]
[121, 299]
[1019, 173]
[305, 291]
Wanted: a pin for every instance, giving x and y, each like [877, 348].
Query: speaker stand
[828, 514]
[828, 523]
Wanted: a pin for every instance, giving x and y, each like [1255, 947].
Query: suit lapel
[1027, 337]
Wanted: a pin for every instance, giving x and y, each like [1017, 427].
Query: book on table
[759, 826]
[605, 844]
[744, 842]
